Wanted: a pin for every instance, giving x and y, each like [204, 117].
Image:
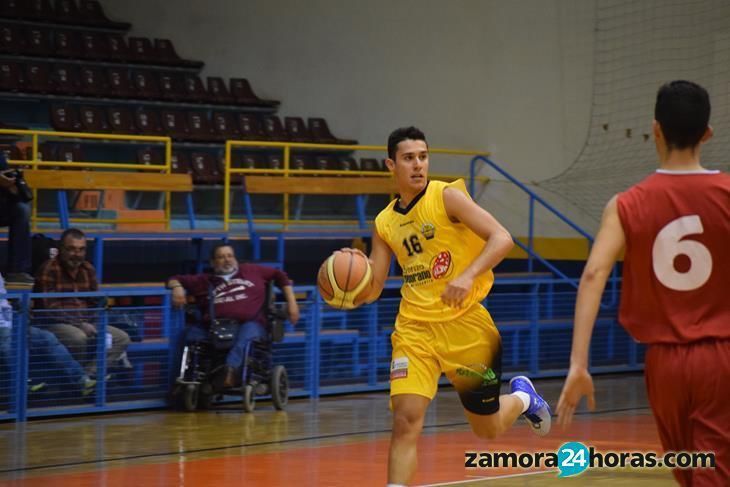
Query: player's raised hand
[579, 383]
[456, 291]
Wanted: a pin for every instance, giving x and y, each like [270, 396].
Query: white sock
[524, 397]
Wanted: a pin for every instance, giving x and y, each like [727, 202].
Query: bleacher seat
[274, 161]
[11, 41]
[14, 9]
[65, 118]
[94, 46]
[148, 121]
[37, 78]
[67, 43]
[148, 156]
[93, 119]
[10, 76]
[205, 168]
[117, 48]
[347, 164]
[273, 128]
[243, 94]
[65, 79]
[146, 85]
[320, 132]
[369, 164]
[93, 82]
[301, 161]
[296, 130]
[67, 11]
[174, 124]
[37, 42]
[325, 162]
[69, 152]
[217, 91]
[12, 152]
[140, 50]
[121, 120]
[120, 86]
[194, 89]
[180, 163]
[250, 127]
[199, 128]
[40, 10]
[247, 160]
[224, 125]
[165, 53]
[171, 87]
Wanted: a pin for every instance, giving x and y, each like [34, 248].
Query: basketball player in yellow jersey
[447, 246]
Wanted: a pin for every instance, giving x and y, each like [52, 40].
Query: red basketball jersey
[676, 273]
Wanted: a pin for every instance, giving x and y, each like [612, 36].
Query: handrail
[287, 171]
[36, 163]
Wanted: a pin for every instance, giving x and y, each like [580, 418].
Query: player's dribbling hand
[579, 383]
[456, 291]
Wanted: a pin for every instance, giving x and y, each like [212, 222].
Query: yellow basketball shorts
[468, 350]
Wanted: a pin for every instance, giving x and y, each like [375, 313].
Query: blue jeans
[247, 332]
[16, 216]
[47, 352]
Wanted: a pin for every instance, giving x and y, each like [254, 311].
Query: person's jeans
[251, 330]
[46, 352]
[16, 216]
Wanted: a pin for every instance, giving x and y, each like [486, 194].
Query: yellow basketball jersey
[431, 250]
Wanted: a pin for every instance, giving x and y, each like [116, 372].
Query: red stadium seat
[247, 160]
[165, 54]
[120, 86]
[11, 77]
[194, 89]
[174, 124]
[40, 10]
[37, 78]
[91, 13]
[140, 50]
[146, 84]
[320, 132]
[65, 79]
[94, 46]
[273, 128]
[93, 119]
[38, 42]
[67, 43]
[301, 161]
[11, 39]
[67, 12]
[243, 94]
[93, 82]
[324, 162]
[217, 91]
[250, 127]
[296, 130]
[199, 127]
[224, 124]
[121, 120]
[148, 121]
[180, 163]
[205, 168]
[347, 164]
[171, 87]
[70, 153]
[369, 164]
[148, 157]
[13, 9]
[117, 48]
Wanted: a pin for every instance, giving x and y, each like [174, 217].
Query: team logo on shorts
[428, 230]
[399, 368]
[441, 265]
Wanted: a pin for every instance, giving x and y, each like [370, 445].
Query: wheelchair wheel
[205, 396]
[249, 398]
[190, 397]
[279, 387]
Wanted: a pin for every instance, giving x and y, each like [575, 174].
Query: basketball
[345, 279]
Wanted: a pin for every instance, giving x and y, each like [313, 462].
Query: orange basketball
[345, 279]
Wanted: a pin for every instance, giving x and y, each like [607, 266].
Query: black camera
[25, 194]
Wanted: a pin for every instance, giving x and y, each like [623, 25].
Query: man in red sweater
[239, 293]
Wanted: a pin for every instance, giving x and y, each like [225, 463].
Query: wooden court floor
[329, 442]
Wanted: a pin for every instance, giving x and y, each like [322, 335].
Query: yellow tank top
[431, 250]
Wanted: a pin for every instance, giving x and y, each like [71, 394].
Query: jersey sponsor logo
[441, 265]
[428, 230]
[416, 275]
[399, 368]
[406, 223]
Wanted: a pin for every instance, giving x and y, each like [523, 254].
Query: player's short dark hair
[683, 111]
[401, 134]
[74, 233]
[220, 245]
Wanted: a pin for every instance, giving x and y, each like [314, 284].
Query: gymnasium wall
[514, 78]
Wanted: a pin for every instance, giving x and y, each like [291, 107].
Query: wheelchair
[202, 365]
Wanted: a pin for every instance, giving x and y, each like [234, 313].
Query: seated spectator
[15, 214]
[45, 345]
[72, 323]
[239, 293]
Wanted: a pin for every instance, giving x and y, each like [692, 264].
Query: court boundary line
[477, 478]
[268, 443]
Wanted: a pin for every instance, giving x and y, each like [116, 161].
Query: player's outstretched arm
[606, 249]
[461, 208]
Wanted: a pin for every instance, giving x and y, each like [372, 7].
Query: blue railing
[330, 351]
